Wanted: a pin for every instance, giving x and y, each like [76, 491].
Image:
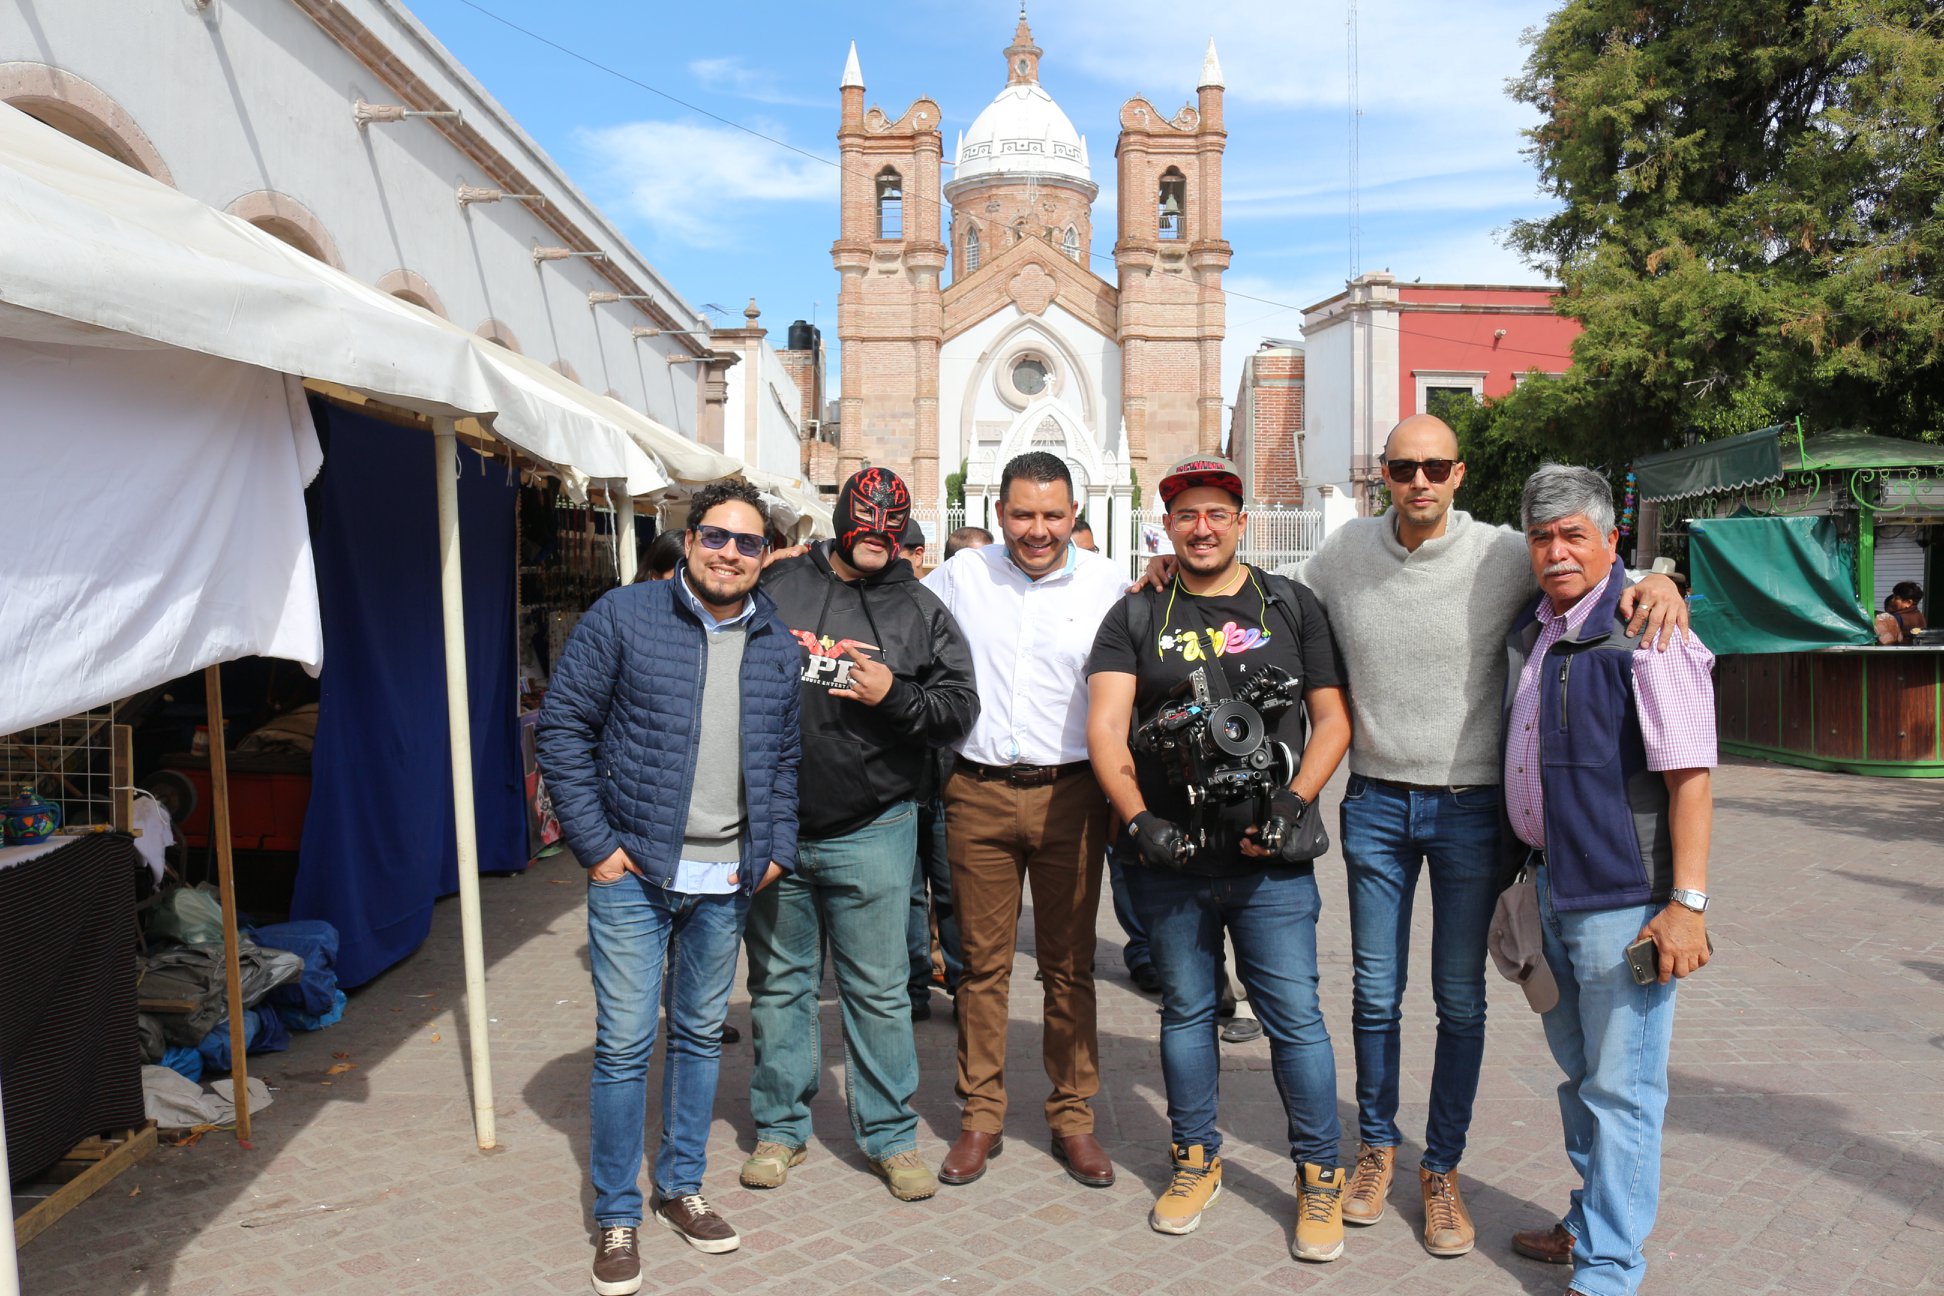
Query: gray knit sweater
[1423, 635]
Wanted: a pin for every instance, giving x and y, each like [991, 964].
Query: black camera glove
[1285, 815]
[1161, 844]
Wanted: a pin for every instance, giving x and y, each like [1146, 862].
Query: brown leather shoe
[967, 1159]
[1448, 1227]
[1364, 1199]
[1085, 1160]
[1548, 1245]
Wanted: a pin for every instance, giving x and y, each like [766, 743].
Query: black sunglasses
[714, 537]
[1403, 471]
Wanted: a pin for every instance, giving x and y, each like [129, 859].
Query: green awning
[1847, 448]
[1772, 584]
[1731, 463]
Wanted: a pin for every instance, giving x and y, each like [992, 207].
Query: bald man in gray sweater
[1420, 599]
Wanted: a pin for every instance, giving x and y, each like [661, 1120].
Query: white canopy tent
[101, 259]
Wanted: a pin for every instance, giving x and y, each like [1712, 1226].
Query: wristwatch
[1689, 899]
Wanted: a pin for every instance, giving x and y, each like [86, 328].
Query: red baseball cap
[1201, 470]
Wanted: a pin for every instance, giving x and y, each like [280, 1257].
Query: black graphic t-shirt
[1161, 637]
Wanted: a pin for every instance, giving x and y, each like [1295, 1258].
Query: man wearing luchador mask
[886, 680]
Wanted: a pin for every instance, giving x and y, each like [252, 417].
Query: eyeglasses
[1218, 519]
[714, 537]
[1403, 471]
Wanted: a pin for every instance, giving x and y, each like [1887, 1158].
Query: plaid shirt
[1673, 698]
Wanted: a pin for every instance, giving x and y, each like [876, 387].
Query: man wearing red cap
[1197, 868]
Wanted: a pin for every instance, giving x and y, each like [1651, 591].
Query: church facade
[973, 324]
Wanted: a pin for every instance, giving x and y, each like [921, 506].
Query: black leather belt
[1021, 775]
[1424, 787]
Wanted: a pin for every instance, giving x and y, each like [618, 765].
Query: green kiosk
[1792, 543]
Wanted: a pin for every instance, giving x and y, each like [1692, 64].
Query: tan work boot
[1448, 1228]
[1363, 1200]
[907, 1175]
[1319, 1213]
[1197, 1182]
[770, 1164]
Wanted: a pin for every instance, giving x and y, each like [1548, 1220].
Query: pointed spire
[853, 75]
[1211, 69]
[1022, 56]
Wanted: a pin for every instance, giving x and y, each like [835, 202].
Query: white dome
[1022, 133]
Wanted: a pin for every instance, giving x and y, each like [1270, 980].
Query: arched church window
[971, 248]
[1173, 206]
[1048, 433]
[890, 204]
[1072, 243]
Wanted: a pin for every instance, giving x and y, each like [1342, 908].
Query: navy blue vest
[1607, 839]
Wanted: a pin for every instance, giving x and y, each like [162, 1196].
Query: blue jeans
[1271, 918]
[1135, 953]
[1611, 1038]
[932, 872]
[1389, 833]
[635, 928]
[851, 891]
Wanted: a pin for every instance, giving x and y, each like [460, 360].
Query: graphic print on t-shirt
[827, 665]
[1210, 642]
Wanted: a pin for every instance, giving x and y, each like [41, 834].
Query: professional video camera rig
[1217, 744]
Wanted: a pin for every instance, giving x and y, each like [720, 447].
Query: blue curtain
[378, 846]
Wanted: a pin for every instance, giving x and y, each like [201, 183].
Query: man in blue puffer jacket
[669, 741]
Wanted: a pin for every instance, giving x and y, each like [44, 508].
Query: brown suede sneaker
[617, 1263]
[698, 1223]
[1363, 1200]
[1448, 1228]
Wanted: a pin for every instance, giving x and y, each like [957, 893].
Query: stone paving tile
[1805, 1148]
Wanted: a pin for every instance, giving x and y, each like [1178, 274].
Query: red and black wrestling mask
[873, 502]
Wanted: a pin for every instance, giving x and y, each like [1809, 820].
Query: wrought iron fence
[1279, 536]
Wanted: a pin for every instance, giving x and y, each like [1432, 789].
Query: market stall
[1791, 544]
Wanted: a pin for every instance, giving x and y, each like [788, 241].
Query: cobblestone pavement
[1805, 1148]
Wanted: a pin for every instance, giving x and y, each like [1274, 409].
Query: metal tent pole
[9, 1253]
[624, 532]
[445, 451]
[219, 833]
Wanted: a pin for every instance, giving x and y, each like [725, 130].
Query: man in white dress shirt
[1022, 807]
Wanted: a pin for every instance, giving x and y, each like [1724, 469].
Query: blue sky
[727, 216]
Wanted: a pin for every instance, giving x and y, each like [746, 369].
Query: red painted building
[1382, 350]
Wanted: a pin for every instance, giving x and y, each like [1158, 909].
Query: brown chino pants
[1001, 838]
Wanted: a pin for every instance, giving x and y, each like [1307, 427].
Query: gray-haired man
[1608, 747]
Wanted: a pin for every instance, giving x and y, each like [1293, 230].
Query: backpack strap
[1282, 595]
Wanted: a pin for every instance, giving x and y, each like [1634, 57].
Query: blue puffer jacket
[617, 737]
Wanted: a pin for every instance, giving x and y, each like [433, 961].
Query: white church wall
[1086, 382]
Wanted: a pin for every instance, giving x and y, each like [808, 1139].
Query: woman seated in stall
[1900, 620]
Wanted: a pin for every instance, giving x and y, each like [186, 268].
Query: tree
[1751, 222]
[955, 487]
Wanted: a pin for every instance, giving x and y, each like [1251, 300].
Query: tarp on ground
[1773, 584]
[1731, 463]
[378, 846]
[154, 523]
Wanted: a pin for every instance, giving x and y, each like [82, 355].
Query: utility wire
[615, 72]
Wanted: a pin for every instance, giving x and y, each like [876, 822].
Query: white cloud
[732, 76]
[699, 184]
[1423, 54]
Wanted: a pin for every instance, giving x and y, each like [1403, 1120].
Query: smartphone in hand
[1643, 960]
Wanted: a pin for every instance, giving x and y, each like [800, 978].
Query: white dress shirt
[1030, 640]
